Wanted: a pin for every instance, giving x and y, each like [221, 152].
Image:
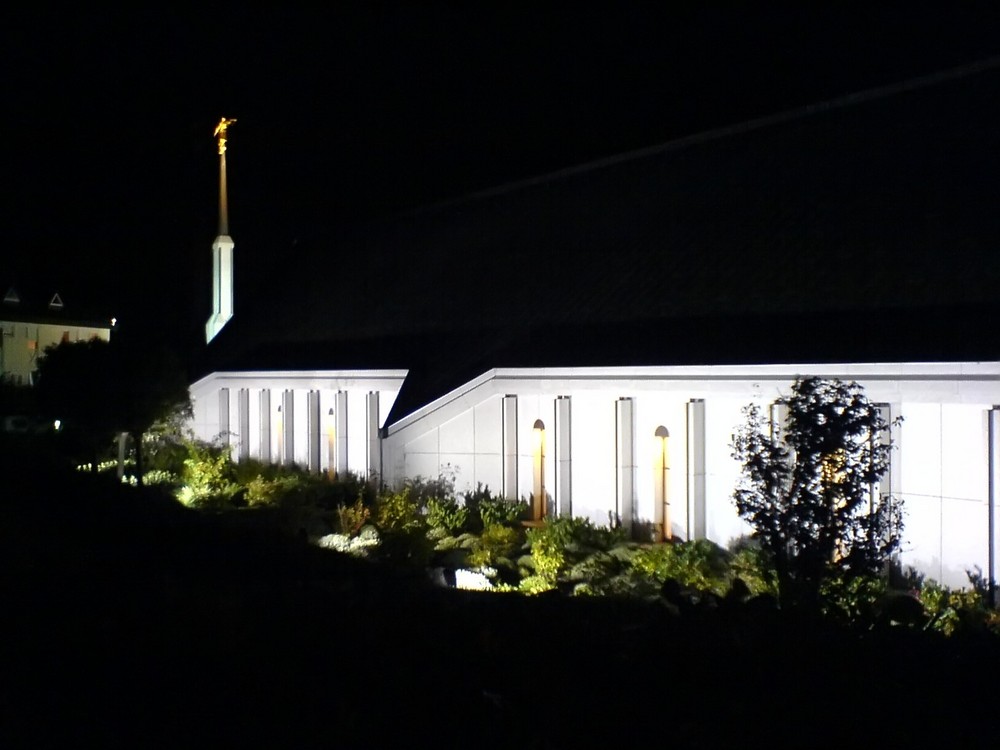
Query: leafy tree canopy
[97, 389]
[809, 488]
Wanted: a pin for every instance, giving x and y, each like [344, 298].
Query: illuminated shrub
[853, 600]
[403, 530]
[397, 511]
[496, 543]
[496, 511]
[363, 545]
[698, 564]
[208, 476]
[446, 514]
[351, 518]
[260, 491]
[160, 477]
[752, 564]
[965, 611]
[561, 542]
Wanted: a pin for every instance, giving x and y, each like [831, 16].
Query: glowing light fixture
[331, 443]
[538, 463]
[281, 436]
[661, 473]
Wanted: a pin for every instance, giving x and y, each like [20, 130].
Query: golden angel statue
[220, 133]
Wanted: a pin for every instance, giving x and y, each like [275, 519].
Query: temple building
[586, 340]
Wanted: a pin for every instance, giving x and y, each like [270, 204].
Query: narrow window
[661, 476]
[538, 484]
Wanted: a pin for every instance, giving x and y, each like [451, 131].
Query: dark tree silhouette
[99, 389]
[810, 488]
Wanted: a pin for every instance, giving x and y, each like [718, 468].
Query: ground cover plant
[132, 619]
[480, 539]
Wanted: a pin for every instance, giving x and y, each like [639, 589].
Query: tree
[809, 488]
[98, 389]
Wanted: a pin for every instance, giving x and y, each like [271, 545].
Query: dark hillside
[129, 621]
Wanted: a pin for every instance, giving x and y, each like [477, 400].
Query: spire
[222, 248]
[221, 136]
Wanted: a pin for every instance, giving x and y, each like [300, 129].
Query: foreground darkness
[129, 621]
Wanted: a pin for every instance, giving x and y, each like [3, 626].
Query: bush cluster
[426, 525]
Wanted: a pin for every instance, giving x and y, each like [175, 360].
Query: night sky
[357, 112]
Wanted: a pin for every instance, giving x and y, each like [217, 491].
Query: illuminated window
[538, 463]
[833, 468]
[661, 476]
[280, 432]
[331, 443]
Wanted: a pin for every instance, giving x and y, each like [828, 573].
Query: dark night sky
[364, 109]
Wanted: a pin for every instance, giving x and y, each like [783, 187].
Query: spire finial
[220, 132]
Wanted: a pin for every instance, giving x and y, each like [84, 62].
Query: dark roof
[879, 210]
[28, 302]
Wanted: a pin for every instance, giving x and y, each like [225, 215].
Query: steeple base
[222, 286]
[214, 325]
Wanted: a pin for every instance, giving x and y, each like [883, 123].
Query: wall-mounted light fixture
[661, 475]
[281, 436]
[538, 474]
[331, 443]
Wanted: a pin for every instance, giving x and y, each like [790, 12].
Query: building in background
[586, 340]
[32, 321]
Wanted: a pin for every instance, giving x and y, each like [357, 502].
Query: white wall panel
[357, 431]
[594, 455]
[920, 487]
[458, 435]
[488, 470]
[489, 426]
[563, 444]
[426, 443]
[722, 522]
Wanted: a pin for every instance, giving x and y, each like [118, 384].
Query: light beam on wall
[661, 475]
[538, 463]
[331, 443]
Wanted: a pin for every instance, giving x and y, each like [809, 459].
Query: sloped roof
[31, 302]
[878, 210]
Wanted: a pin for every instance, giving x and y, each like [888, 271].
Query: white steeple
[222, 248]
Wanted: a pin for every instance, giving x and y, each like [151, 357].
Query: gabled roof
[37, 304]
[878, 210]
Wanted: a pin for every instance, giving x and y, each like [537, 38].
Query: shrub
[752, 564]
[445, 513]
[403, 530]
[208, 476]
[422, 489]
[497, 543]
[962, 611]
[362, 545]
[260, 492]
[854, 600]
[495, 511]
[697, 564]
[351, 518]
[398, 511]
[560, 542]
[160, 477]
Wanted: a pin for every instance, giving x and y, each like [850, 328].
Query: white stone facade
[592, 441]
